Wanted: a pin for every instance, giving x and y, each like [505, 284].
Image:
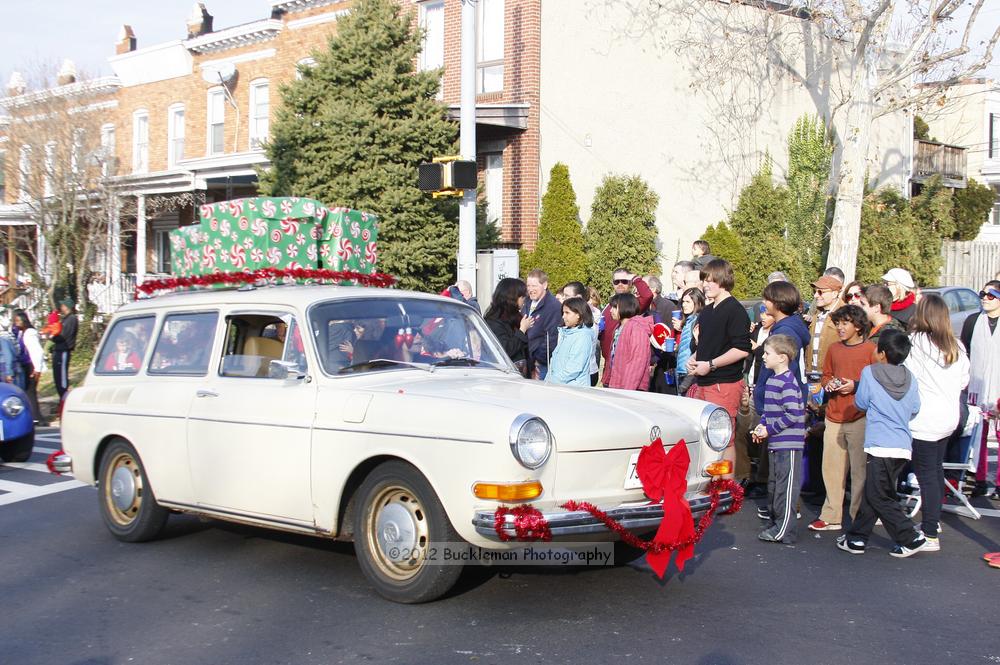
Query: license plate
[632, 481]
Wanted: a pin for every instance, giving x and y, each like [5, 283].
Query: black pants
[928, 457]
[60, 371]
[30, 387]
[880, 500]
[783, 482]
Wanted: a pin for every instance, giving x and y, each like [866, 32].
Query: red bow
[664, 476]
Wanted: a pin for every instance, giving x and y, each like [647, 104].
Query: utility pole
[467, 143]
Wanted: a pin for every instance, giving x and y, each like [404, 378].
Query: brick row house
[557, 81]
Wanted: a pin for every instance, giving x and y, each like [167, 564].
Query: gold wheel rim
[397, 533]
[123, 489]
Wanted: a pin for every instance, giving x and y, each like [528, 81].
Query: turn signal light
[508, 491]
[720, 468]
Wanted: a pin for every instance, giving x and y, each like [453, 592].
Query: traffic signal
[451, 176]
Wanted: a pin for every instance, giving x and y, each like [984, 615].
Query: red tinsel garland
[530, 525]
[265, 275]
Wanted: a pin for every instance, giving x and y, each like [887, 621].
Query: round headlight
[530, 441]
[13, 406]
[717, 427]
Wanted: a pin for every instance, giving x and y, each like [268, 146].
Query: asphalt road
[215, 593]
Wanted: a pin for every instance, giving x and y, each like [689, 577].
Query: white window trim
[255, 87]
[423, 25]
[208, 121]
[24, 173]
[481, 63]
[49, 168]
[137, 167]
[108, 147]
[304, 63]
[172, 157]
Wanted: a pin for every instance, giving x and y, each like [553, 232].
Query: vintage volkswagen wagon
[390, 418]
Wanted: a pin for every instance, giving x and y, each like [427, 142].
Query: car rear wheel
[18, 450]
[399, 521]
[127, 503]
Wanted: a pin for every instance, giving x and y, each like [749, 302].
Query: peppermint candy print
[275, 236]
[337, 231]
[244, 223]
[223, 257]
[308, 208]
[300, 239]
[292, 251]
[344, 249]
[324, 251]
[286, 207]
[315, 233]
[238, 256]
[251, 206]
[208, 257]
[259, 227]
[273, 255]
[267, 207]
[321, 213]
[311, 253]
[225, 228]
[236, 207]
[366, 235]
[247, 243]
[257, 255]
[205, 211]
[371, 252]
[218, 243]
[355, 229]
[214, 224]
[289, 226]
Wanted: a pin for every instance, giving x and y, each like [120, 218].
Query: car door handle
[204, 392]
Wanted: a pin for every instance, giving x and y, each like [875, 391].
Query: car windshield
[373, 334]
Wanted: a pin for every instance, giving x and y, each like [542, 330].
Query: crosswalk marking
[31, 466]
[23, 491]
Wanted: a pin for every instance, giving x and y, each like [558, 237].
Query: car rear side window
[125, 346]
[969, 300]
[185, 344]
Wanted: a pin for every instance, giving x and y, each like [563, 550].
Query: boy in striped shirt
[783, 424]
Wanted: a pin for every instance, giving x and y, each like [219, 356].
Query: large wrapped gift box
[350, 240]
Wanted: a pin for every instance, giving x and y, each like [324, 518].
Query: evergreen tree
[559, 251]
[726, 244]
[759, 220]
[622, 228]
[971, 209]
[889, 237]
[352, 131]
[809, 155]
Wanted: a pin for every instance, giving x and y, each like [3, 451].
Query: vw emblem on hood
[654, 433]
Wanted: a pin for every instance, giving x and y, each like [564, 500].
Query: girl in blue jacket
[570, 362]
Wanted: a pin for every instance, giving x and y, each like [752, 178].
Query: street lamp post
[467, 145]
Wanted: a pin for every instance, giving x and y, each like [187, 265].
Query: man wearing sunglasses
[622, 281]
[981, 338]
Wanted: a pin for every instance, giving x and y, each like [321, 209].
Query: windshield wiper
[469, 362]
[375, 363]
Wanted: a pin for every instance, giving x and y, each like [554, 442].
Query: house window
[994, 135]
[175, 134]
[996, 205]
[161, 242]
[489, 72]
[24, 174]
[216, 121]
[140, 142]
[432, 23]
[50, 167]
[494, 188]
[260, 113]
[108, 150]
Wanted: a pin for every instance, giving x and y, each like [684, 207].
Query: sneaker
[820, 525]
[996, 494]
[764, 513]
[933, 544]
[991, 556]
[850, 546]
[767, 536]
[903, 551]
[911, 480]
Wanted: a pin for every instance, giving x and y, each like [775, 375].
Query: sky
[47, 31]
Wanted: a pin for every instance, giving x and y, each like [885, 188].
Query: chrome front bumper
[634, 517]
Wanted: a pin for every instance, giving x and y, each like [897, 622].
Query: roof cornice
[291, 6]
[240, 35]
[99, 86]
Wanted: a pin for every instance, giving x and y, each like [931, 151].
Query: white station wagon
[390, 418]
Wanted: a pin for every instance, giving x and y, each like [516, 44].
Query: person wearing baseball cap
[826, 298]
[904, 294]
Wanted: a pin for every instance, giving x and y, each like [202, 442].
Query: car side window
[255, 341]
[969, 300]
[951, 299]
[125, 346]
[185, 344]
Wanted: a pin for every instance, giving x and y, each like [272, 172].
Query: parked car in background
[383, 417]
[17, 429]
[961, 303]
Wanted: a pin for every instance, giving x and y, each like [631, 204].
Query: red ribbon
[265, 275]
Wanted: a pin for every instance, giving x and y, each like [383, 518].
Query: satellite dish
[220, 73]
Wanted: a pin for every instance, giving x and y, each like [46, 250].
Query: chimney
[200, 21]
[67, 73]
[16, 85]
[126, 40]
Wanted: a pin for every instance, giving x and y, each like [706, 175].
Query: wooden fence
[969, 263]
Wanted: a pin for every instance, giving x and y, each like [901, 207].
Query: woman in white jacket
[28, 336]
[941, 368]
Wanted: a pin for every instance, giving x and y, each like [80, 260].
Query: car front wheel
[127, 503]
[400, 530]
[17, 450]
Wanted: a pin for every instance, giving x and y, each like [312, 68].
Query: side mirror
[285, 371]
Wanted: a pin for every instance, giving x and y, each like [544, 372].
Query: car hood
[581, 419]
